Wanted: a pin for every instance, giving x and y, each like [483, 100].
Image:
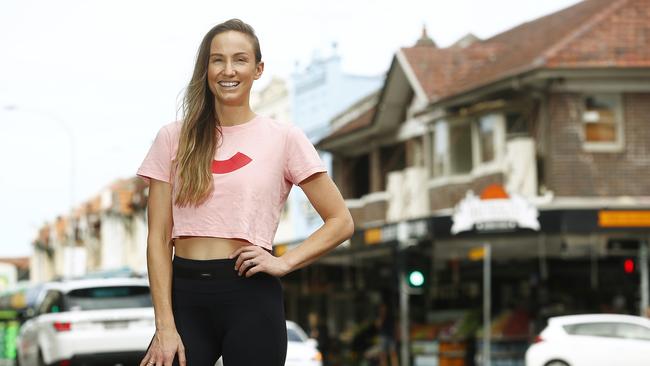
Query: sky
[85, 85]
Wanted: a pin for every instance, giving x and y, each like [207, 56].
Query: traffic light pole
[487, 303]
[643, 259]
[404, 310]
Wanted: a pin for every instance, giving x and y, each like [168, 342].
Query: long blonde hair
[197, 144]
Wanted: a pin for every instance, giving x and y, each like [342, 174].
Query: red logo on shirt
[235, 162]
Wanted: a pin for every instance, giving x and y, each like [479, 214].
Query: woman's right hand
[165, 344]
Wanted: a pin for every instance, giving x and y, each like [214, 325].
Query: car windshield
[113, 297]
[294, 336]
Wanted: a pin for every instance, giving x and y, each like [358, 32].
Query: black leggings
[217, 313]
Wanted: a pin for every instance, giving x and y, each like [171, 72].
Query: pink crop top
[255, 166]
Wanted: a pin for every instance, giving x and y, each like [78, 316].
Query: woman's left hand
[252, 259]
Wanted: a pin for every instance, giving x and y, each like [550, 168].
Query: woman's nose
[229, 70]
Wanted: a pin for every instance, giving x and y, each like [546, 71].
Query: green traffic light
[416, 278]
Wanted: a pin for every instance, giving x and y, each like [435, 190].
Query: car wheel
[556, 363]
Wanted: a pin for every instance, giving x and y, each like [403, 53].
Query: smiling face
[232, 68]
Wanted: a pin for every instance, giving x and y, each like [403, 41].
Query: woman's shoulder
[283, 126]
[173, 128]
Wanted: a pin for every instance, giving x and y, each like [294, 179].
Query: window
[414, 156]
[392, 158]
[466, 146]
[295, 336]
[460, 148]
[592, 329]
[357, 172]
[517, 125]
[486, 129]
[632, 331]
[52, 303]
[602, 121]
[439, 144]
[114, 297]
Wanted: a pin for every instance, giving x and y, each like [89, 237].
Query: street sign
[477, 254]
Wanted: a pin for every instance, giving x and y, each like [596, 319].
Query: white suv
[592, 340]
[94, 322]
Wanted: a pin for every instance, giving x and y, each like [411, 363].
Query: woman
[218, 181]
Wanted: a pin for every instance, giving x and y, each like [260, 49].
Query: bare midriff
[202, 247]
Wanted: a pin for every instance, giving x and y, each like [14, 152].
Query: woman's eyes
[237, 60]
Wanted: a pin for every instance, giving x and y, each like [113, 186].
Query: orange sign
[624, 218]
[372, 236]
[494, 191]
[477, 254]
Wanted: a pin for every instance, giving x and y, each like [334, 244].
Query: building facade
[319, 91]
[535, 142]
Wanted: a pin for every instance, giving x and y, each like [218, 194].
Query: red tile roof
[593, 33]
[590, 34]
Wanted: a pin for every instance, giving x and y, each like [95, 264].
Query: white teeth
[228, 83]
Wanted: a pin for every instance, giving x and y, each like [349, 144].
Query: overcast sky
[112, 72]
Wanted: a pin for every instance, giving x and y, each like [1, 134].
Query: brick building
[552, 114]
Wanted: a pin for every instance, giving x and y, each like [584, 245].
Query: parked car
[104, 321]
[301, 350]
[592, 340]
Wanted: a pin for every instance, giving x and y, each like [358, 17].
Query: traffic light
[415, 278]
[416, 269]
[629, 266]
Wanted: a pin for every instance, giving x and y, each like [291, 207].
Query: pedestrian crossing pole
[643, 259]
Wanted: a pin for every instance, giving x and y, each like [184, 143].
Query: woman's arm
[159, 252]
[338, 224]
[159, 263]
[328, 202]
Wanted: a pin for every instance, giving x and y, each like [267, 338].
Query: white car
[301, 350]
[106, 321]
[592, 340]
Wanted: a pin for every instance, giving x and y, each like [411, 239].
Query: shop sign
[624, 219]
[400, 231]
[494, 210]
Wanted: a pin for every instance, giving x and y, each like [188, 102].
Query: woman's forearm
[159, 262]
[332, 233]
